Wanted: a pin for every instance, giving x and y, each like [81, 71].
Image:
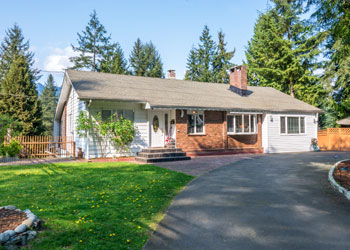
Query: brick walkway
[202, 164]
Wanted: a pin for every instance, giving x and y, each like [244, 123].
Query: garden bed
[341, 174]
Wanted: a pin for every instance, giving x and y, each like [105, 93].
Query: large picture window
[242, 124]
[195, 123]
[292, 125]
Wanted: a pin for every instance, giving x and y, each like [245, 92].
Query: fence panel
[45, 146]
[334, 139]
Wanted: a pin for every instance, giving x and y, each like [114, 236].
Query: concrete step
[161, 150]
[163, 159]
[160, 155]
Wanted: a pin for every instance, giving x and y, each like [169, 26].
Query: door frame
[161, 117]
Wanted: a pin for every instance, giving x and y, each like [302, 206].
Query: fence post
[74, 149]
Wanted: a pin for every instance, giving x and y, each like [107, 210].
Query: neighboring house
[344, 123]
[202, 118]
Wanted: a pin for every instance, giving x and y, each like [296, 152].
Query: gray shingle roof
[174, 93]
[345, 121]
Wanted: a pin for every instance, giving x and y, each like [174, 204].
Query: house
[344, 123]
[198, 117]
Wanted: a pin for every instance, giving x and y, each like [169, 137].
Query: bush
[11, 150]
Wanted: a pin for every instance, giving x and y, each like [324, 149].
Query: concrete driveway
[277, 201]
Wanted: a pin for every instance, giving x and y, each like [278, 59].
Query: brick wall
[215, 137]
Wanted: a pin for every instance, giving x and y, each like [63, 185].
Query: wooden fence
[334, 139]
[45, 146]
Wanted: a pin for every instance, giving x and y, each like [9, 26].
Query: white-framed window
[126, 113]
[106, 114]
[195, 122]
[242, 124]
[292, 125]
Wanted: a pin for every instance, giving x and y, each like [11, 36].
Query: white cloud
[58, 59]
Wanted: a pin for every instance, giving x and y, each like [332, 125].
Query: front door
[157, 128]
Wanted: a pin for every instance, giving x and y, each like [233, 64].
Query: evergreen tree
[192, 65]
[333, 20]
[13, 47]
[221, 61]
[19, 97]
[200, 60]
[283, 52]
[114, 61]
[145, 60]
[210, 61]
[93, 44]
[49, 102]
[137, 61]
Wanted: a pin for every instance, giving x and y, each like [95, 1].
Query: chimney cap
[239, 67]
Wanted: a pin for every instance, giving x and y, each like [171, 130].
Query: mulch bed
[10, 219]
[342, 174]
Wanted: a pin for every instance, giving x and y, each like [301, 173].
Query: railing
[334, 139]
[45, 146]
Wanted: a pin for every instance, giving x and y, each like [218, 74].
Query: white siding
[74, 106]
[141, 123]
[265, 141]
[274, 142]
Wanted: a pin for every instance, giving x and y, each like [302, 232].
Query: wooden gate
[45, 146]
[334, 139]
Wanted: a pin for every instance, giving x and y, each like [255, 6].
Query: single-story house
[344, 123]
[199, 117]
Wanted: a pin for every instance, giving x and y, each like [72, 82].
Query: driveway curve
[277, 201]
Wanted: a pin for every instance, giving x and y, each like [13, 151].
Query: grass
[110, 205]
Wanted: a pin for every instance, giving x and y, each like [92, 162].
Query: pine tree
[283, 51]
[137, 60]
[13, 47]
[192, 71]
[114, 61]
[333, 19]
[221, 61]
[145, 60]
[49, 102]
[210, 61]
[153, 61]
[93, 44]
[19, 97]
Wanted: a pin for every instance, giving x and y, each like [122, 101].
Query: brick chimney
[238, 80]
[171, 74]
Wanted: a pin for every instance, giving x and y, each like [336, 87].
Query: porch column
[259, 131]
[224, 130]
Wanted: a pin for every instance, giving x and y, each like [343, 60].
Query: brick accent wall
[215, 137]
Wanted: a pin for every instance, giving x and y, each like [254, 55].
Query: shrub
[12, 149]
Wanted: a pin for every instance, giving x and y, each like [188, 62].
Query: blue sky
[173, 26]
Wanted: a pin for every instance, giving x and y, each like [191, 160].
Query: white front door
[156, 119]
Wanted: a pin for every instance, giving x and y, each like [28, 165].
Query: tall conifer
[19, 98]
[49, 102]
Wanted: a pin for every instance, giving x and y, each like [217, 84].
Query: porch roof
[181, 94]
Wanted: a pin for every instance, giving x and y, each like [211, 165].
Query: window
[241, 124]
[292, 125]
[106, 114]
[195, 123]
[126, 113]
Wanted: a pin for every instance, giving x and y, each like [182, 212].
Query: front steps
[152, 155]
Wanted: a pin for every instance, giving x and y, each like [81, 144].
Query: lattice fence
[334, 139]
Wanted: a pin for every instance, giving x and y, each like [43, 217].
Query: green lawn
[108, 205]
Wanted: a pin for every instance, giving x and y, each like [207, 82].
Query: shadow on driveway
[278, 201]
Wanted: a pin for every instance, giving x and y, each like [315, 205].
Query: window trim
[286, 125]
[234, 124]
[192, 112]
